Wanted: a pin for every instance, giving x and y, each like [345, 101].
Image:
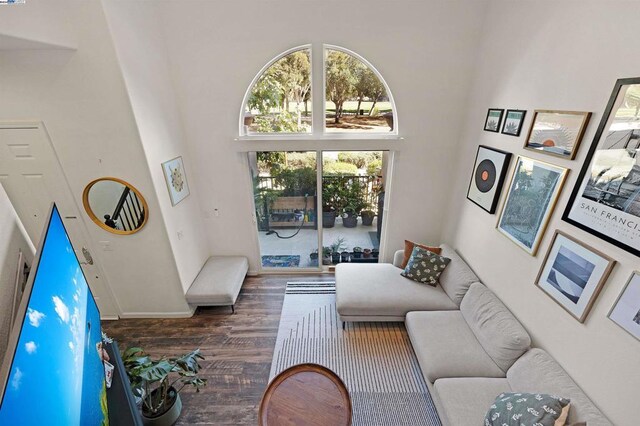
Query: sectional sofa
[469, 345]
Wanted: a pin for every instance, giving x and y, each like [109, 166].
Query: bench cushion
[457, 277]
[378, 290]
[503, 338]
[465, 401]
[446, 347]
[537, 372]
[219, 281]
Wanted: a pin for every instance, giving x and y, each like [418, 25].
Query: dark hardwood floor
[237, 348]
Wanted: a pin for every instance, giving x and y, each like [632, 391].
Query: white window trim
[318, 103]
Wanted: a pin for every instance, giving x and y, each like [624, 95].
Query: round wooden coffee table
[305, 394]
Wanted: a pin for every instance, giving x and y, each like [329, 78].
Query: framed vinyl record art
[606, 198]
[533, 192]
[488, 176]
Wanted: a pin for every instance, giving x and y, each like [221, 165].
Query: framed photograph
[573, 274]
[513, 122]
[176, 179]
[494, 118]
[606, 197]
[533, 192]
[626, 310]
[488, 176]
[557, 132]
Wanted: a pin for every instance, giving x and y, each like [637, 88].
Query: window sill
[325, 137]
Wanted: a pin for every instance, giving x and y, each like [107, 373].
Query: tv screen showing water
[57, 374]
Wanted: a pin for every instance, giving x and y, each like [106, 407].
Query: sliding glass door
[309, 217]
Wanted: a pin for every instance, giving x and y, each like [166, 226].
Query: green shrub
[340, 168]
[374, 168]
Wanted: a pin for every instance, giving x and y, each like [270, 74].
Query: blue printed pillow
[424, 266]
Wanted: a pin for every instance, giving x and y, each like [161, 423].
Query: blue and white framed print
[573, 274]
[626, 310]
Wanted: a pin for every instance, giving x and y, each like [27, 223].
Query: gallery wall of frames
[605, 200]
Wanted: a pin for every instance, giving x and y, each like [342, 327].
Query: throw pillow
[535, 409]
[408, 249]
[425, 266]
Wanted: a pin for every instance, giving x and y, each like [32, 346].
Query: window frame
[318, 132]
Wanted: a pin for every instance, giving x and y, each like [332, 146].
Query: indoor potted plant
[150, 381]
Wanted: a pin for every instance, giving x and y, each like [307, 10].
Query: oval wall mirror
[115, 205]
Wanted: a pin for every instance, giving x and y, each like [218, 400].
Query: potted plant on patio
[354, 203]
[366, 253]
[313, 258]
[367, 217]
[326, 255]
[150, 381]
[357, 252]
[337, 246]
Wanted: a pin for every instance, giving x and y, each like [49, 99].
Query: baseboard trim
[109, 318]
[132, 315]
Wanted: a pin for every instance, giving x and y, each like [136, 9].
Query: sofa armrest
[398, 257]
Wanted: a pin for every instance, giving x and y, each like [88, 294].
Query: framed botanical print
[557, 132]
[488, 176]
[532, 195]
[573, 274]
[176, 179]
[605, 200]
[494, 118]
[513, 121]
[626, 310]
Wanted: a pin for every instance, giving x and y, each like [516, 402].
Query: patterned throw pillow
[530, 409]
[424, 266]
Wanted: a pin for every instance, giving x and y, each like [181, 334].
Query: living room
[119, 88]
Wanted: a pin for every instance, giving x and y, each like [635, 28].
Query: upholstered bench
[219, 282]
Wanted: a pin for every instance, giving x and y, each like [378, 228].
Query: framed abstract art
[513, 121]
[176, 179]
[573, 274]
[626, 310]
[557, 133]
[493, 120]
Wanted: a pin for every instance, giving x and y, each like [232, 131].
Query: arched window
[355, 98]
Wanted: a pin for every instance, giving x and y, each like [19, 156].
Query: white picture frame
[176, 179]
[626, 311]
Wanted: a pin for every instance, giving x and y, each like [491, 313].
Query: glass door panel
[285, 199]
[352, 205]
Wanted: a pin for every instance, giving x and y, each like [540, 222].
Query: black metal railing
[369, 186]
[129, 211]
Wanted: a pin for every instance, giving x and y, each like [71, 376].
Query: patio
[306, 242]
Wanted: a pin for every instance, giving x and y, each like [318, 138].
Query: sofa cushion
[537, 372]
[446, 347]
[219, 281]
[424, 266]
[408, 249]
[456, 279]
[379, 290]
[465, 401]
[498, 331]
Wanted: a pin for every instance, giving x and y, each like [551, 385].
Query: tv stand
[120, 401]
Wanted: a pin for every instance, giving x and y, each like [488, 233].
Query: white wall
[141, 51]
[551, 55]
[424, 49]
[81, 97]
[13, 239]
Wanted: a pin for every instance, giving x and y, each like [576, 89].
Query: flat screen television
[53, 372]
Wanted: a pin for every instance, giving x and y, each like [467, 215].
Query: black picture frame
[520, 123]
[501, 177]
[596, 208]
[488, 128]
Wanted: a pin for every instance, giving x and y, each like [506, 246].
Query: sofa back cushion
[456, 279]
[498, 331]
[536, 371]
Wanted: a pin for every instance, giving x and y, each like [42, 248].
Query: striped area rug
[375, 360]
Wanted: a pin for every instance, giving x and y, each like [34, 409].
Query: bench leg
[233, 309]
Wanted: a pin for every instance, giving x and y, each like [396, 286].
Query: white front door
[33, 178]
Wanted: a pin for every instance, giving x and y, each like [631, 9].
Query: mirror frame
[94, 218]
